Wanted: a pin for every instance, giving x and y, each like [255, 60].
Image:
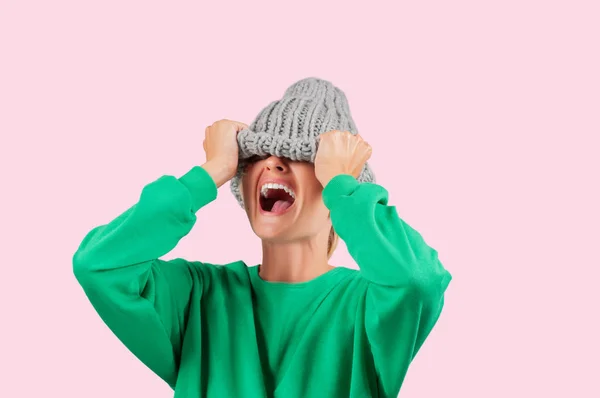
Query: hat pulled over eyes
[291, 126]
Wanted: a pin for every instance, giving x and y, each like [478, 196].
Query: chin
[271, 232]
[270, 228]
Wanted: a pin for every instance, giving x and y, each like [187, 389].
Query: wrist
[200, 185]
[330, 176]
[219, 171]
[339, 186]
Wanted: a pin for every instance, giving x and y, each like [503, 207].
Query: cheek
[313, 201]
[312, 192]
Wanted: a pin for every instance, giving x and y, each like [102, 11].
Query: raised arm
[406, 279]
[144, 300]
[141, 298]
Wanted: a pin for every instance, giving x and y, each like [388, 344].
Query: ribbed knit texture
[290, 127]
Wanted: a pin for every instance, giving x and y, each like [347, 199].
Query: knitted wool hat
[290, 127]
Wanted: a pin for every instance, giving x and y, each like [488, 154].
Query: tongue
[280, 206]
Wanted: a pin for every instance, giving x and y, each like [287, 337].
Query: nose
[274, 163]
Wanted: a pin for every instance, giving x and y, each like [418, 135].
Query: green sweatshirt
[220, 330]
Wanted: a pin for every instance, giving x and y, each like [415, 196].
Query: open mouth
[276, 198]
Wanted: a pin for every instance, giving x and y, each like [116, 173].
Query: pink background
[484, 118]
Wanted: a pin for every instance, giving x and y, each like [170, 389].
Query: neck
[295, 261]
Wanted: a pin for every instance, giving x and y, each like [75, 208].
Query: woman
[293, 325]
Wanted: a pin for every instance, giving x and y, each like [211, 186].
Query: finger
[240, 126]
[365, 146]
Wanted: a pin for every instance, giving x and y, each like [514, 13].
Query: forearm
[152, 227]
[387, 250]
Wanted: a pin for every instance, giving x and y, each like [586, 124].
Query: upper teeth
[271, 185]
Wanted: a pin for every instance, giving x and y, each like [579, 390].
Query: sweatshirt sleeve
[142, 299]
[406, 280]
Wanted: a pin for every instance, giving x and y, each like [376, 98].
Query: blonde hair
[332, 242]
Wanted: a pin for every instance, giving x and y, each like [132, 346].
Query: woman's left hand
[340, 152]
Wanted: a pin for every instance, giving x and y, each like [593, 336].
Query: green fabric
[219, 330]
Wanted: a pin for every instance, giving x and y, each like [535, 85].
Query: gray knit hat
[290, 127]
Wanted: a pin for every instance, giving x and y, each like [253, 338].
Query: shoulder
[352, 279]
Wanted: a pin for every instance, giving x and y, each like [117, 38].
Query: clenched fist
[340, 152]
[221, 147]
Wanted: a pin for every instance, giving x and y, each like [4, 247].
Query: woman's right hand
[221, 148]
